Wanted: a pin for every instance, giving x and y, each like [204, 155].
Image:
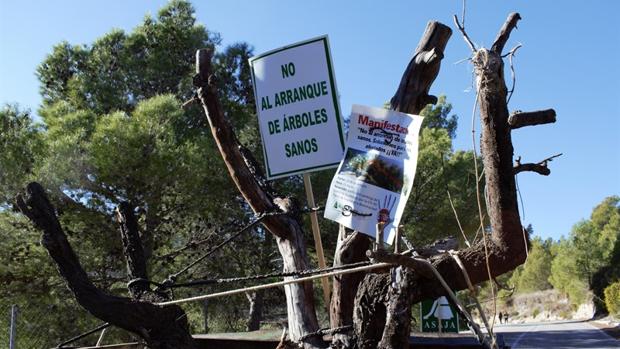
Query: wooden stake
[318, 244]
[379, 237]
[397, 240]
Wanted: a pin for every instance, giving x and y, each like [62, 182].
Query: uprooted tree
[377, 305]
[498, 252]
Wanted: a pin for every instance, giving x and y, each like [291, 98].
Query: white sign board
[375, 177]
[297, 105]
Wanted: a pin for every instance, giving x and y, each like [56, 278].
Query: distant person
[500, 317]
[506, 317]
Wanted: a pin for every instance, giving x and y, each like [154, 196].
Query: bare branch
[248, 177]
[132, 249]
[411, 97]
[464, 33]
[504, 32]
[412, 93]
[511, 55]
[189, 102]
[231, 150]
[513, 51]
[520, 119]
[382, 256]
[166, 326]
[539, 167]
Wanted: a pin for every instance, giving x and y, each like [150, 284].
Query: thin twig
[522, 209]
[457, 219]
[479, 229]
[512, 71]
[189, 102]
[462, 60]
[463, 15]
[549, 159]
[465, 36]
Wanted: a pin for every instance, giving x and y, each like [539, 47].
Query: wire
[522, 209]
[259, 218]
[85, 334]
[298, 273]
[276, 284]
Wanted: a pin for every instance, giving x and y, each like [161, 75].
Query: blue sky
[569, 61]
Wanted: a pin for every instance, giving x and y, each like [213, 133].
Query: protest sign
[297, 106]
[375, 177]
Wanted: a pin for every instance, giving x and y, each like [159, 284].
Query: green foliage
[121, 69]
[114, 130]
[565, 275]
[428, 214]
[590, 258]
[20, 146]
[438, 117]
[534, 274]
[606, 220]
[612, 298]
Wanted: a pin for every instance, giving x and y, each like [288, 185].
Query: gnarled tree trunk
[411, 97]
[248, 177]
[506, 245]
[162, 327]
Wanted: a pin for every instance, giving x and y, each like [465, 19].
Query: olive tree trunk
[162, 327]
[248, 177]
[505, 244]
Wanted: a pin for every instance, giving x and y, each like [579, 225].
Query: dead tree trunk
[248, 177]
[256, 310]
[411, 97]
[350, 248]
[505, 247]
[162, 327]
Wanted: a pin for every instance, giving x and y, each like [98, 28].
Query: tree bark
[133, 251]
[350, 248]
[539, 117]
[162, 327]
[247, 176]
[255, 315]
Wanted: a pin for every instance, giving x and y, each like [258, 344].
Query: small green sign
[439, 311]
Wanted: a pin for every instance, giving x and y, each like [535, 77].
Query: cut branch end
[504, 32]
[520, 119]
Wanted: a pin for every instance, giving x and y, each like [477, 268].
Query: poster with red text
[375, 177]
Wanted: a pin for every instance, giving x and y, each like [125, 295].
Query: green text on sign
[297, 106]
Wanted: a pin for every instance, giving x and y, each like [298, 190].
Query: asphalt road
[561, 334]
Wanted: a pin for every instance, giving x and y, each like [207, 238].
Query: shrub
[612, 298]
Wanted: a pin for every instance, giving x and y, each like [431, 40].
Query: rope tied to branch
[294, 274]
